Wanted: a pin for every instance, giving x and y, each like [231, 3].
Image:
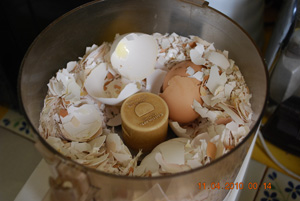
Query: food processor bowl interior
[66, 39]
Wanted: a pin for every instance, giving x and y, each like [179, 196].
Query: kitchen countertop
[18, 159]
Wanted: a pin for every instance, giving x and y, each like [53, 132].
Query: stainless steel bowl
[65, 40]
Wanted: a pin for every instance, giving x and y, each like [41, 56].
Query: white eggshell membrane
[133, 55]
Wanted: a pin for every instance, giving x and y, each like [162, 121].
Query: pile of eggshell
[208, 100]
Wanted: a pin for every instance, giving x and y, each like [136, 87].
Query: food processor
[65, 40]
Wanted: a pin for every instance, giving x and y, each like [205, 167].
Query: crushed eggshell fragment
[179, 131]
[155, 81]
[95, 82]
[215, 80]
[218, 59]
[81, 123]
[211, 150]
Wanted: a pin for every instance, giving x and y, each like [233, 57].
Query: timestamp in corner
[233, 185]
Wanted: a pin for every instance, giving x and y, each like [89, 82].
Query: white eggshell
[96, 55]
[71, 65]
[190, 71]
[97, 142]
[197, 75]
[113, 142]
[55, 142]
[207, 99]
[128, 90]
[97, 161]
[95, 81]
[232, 126]
[115, 121]
[173, 152]
[94, 86]
[179, 131]
[155, 81]
[196, 57]
[122, 158]
[81, 123]
[134, 55]
[64, 84]
[204, 112]
[81, 146]
[73, 91]
[218, 59]
[215, 80]
[201, 136]
[231, 113]
[169, 167]
[56, 88]
[165, 43]
[194, 163]
[228, 88]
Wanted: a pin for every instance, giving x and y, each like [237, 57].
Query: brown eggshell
[180, 69]
[179, 96]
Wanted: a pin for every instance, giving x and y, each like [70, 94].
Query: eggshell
[204, 112]
[155, 81]
[218, 59]
[97, 142]
[169, 167]
[211, 150]
[215, 80]
[168, 153]
[172, 151]
[180, 69]
[179, 96]
[231, 113]
[94, 85]
[65, 85]
[128, 90]
[95, 81]
[134, 55]
[179, 131]
[223, 120]
[82, 123]
[197, 53]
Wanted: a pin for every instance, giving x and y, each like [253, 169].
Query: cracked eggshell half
[96, 80]
[172, 152]
[134, 55]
